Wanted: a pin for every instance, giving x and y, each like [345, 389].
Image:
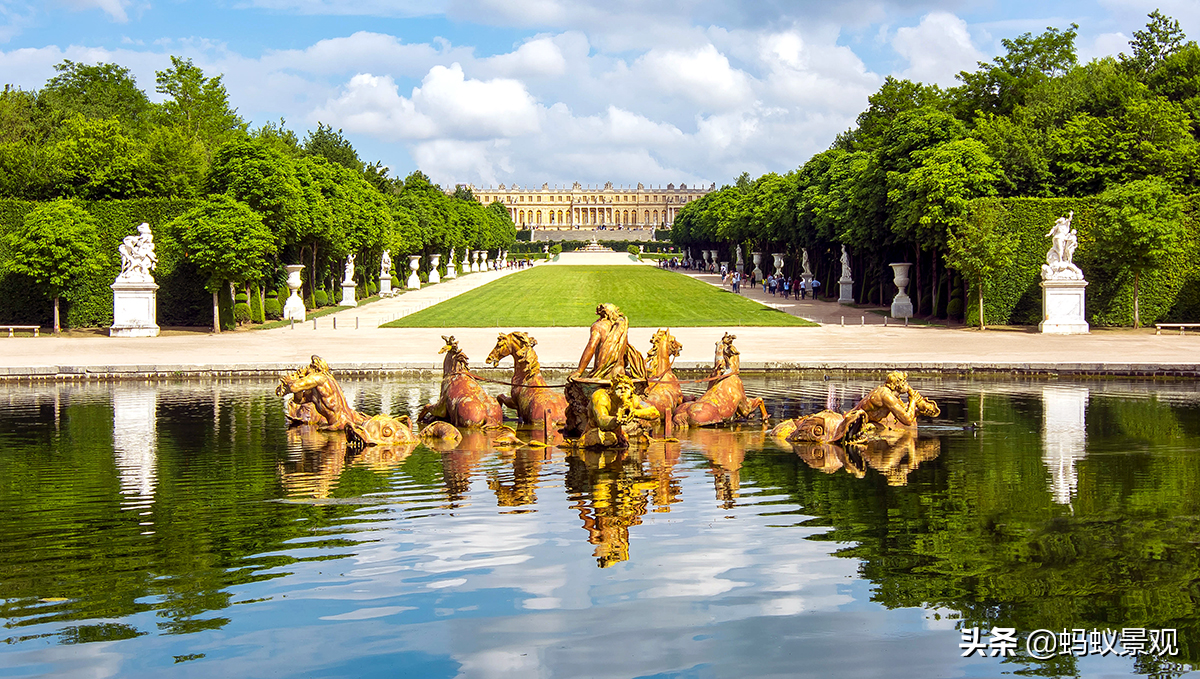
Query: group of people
[776, 285]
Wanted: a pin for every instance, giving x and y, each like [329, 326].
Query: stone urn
[451, 266]
[757, 259]
[293, 308]
[414, 281]
[778, 257]
[902, 306]
[434, 261]
[704, 255]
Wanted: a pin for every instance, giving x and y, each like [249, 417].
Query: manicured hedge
[181, 296]
[1172, 293]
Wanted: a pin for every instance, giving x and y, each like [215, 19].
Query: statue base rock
[348, 294]
[1063, 307]
[135, 310]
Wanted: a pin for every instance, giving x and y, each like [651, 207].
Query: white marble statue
[349, 277]
[385, 266]
[1063, 240]
[845, 264]
[804, 262]
[137, 256]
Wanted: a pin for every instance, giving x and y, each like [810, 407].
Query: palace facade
[592, 208]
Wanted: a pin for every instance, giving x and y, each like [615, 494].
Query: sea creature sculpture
[883, 408]
[317, 400]
[530, 395]
[463, 403]
[726, 398]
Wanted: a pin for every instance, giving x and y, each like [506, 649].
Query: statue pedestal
[902, 306]
[845, 291]
[385, 286]
[348, 294]
[806, 285]
[135, 310]
[1062, 307]
[435, 260]
[293, 308]
[414, 281]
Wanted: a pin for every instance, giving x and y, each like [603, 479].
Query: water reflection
[430, 560]
[1064, 437]
[135, 446]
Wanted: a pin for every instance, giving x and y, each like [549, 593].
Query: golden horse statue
[530, 396]
[726, 398]
[663, 391]
[317, 399]
[463, 403]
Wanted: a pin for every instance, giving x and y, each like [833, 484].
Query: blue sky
[533, 91]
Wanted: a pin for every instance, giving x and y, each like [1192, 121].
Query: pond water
[180, 529]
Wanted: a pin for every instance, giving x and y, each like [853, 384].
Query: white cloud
[702, 75]
[538, 57]
[936, 49]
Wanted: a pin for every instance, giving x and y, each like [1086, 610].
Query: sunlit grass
[568, 295]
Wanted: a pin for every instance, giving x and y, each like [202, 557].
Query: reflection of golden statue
[881, 409]
[895, 453]
[726, 398]
[609, 490]
[317, 399]
[463, 402]
[616, 414]
[526, 468]
[318, 459]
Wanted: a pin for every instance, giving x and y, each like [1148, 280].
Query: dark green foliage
[272, 309]
[633, 250]
[181, 300]
[242, 298]
[556, 249]
[241, 313]
[333, 147]
[1170, 292]
[321, 298]
[256, 308]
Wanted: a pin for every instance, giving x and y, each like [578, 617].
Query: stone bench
[1158, 327]
[11, 328]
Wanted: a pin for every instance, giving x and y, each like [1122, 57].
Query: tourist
[815, 284]
[786, 286]
[803, 289]
[771, 284]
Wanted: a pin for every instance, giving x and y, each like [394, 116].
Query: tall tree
[978, 249]
[99, 91]
[1161, 38]
[1139, 229]
[54, 248]
[1002, 85]
[333, 147]
[197, 103]
[226, 241]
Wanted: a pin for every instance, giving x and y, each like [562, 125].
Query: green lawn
[568, 295]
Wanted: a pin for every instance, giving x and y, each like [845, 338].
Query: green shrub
[556, 249]
[395, 282]
[283, 293]
[633, 250]
[273, 309]
[242, 298]
[424, 277]
[321, 298]
[955, 308]
[256, 308]
[241, 312]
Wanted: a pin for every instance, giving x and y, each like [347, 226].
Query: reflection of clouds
[1064, 439]
[135, 445]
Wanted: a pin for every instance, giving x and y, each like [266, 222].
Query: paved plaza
[863, 343]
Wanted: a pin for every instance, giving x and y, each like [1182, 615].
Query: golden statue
[463, 403]
[663, 391]
[530, 396]
[317, 400]
[615, 415]
[608, 348]
[883, 408]
[726, 398]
